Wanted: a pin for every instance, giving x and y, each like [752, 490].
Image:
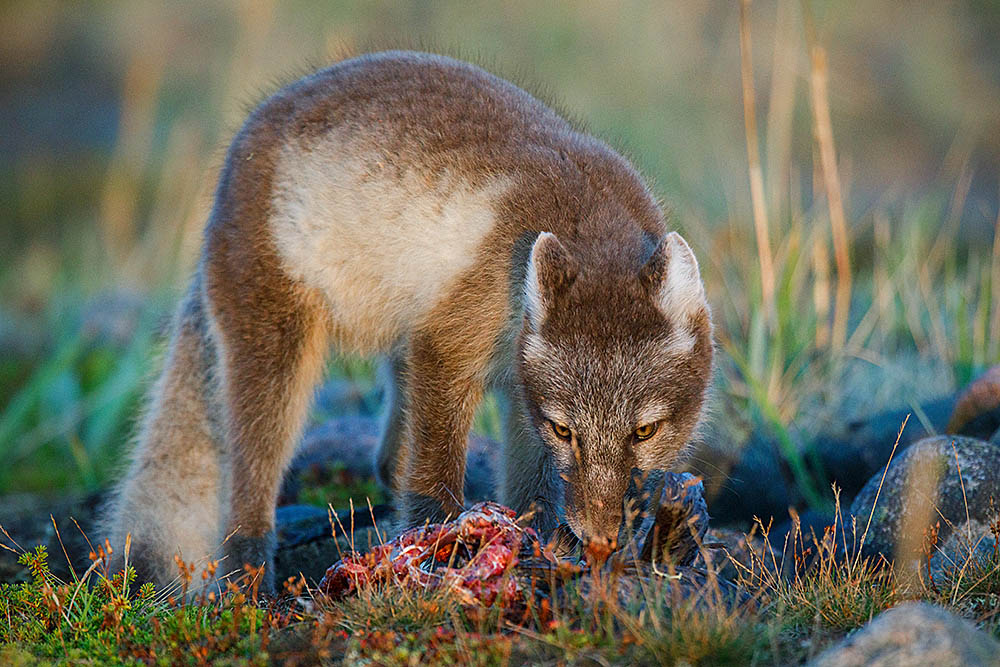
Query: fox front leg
[447, 367]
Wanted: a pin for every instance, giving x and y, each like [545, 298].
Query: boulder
[955, 558]
[309, 538]
[760, 484]
[914, 633]
[340, 397]
[344, 445]
[28, 519]
[977, 411]
[808, 524]
[755, 486]
[951, 482]
[349, 443]
[853, 453]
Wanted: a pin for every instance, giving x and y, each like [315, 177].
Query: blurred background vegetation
[114, 117]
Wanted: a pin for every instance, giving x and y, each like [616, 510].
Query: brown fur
[425, 136]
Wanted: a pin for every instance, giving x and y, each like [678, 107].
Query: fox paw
[253, 551]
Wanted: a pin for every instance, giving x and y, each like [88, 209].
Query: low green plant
[102, 619]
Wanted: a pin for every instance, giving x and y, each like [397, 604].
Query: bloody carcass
[471, 555]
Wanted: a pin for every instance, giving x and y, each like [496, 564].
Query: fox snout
[594, 505]
[603, 528]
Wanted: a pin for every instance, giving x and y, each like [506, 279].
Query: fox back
[416, 207]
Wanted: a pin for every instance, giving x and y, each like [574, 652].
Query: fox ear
[551, 271]
[671, 275]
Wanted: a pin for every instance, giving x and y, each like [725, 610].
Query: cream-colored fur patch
[682, 293]
[383, 245]
[681, 341]
[533, 302]
[537, 351]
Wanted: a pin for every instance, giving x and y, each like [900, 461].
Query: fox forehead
[618, 384]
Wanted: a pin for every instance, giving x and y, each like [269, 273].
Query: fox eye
[562, 431]
[646, 431]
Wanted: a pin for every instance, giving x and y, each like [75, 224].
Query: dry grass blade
[968, 526]
[371, 512]
[781, 108]
[823, 134]
[127, 552]
[141, 88]
[965, 499]
[821, 290]
[868, 525]
[69, 561]
[83, 580]
[753, 156]
[994, 350]
[12, 541]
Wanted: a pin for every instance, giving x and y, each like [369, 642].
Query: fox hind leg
[272, 335]
[170, 501]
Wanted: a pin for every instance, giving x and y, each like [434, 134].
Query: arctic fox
[417, 207]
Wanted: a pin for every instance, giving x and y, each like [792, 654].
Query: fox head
[615, 366]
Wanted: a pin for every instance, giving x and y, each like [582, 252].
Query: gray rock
[914, 633]
[311, 559]
[953, 557]
[346, 398]
[347, 441]
[977, 411]
[28, 519]
[350, 443]
[860, 448]
[482, 467]
[308, 543]
[755, 486]
[923, 488]
[760, 484]
[810, 522]
[296, 525]
[983, 426]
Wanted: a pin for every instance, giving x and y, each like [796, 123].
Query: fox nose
[599, 548]
[603, 527]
